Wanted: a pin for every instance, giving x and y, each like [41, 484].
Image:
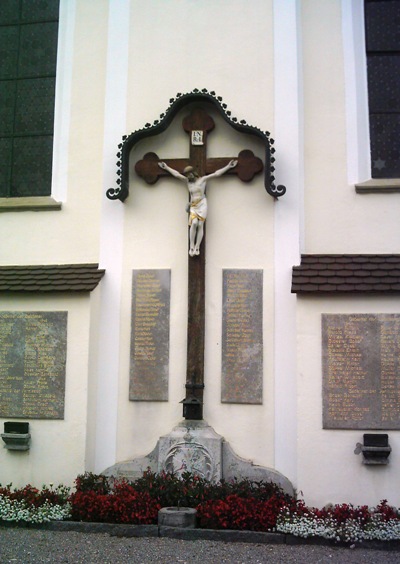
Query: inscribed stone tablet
[33, 348]
[150, 335]
[242, 340]
[361, 371]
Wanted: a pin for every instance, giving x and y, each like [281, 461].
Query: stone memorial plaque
[361, 371]
[150, 335]
[33, 348]
[242, 338]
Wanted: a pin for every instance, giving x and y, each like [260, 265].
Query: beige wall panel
[71, 235]
[337, 220]
[239, 235]
[57, 452]
[328, 469]
[225, 46]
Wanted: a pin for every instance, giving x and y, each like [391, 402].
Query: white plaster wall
[337, 220]
[72, 234]
[156, 237]
[195, 45]
[288, 228]
[328, 469]
[240, 235]
[105, 352]
[226, 46]
[57, 451]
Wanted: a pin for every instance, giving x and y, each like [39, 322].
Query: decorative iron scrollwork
[121, 192]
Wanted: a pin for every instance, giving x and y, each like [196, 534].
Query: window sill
[378, 186]
[30, 203]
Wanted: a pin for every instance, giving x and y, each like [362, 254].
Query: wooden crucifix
[246, 165]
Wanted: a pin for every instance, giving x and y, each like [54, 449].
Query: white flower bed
[18, 511]
[349, 531]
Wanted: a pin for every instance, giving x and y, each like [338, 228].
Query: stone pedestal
[194, 446]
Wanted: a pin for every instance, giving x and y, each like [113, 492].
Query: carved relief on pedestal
[189, 457]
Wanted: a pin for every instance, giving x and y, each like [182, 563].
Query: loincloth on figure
[198, 210]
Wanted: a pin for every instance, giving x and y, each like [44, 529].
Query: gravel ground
[26, 546]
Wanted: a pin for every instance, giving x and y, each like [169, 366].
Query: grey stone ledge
[378, 186]
[112, 529]
[222, 535]
[30, 203]
[256, 537]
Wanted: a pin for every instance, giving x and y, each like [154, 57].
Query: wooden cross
[198, 124]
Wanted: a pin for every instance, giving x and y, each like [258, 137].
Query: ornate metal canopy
[165, 119]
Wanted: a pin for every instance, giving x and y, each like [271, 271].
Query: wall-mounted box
[376, 448]
[16, 435]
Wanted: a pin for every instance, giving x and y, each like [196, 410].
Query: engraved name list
[361, 384]
[33, 349]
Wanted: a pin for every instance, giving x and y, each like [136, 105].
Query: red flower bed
[224, 505]
[32, 496]
[344, 512]
[236, 512]
[123, 505]
[236, 504]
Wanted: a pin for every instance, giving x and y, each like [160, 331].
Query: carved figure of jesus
[197, 207]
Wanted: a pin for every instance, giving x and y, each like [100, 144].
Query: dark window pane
[7, 101]
[39, 10]
[28, 58]
[9, 11]
[384, 83]
[5, 167]
[32, 164]
[385, 145]
[9, 37]
[35, 106]
[38, 50]
[383, 25]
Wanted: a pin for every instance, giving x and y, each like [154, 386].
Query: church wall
[337, 220]
[223, 46]
[288, 225]
[155, 223]
[328, 469]
[240, 235]
[102, 96]
[57, 447]
[70, 235]
[230, 244]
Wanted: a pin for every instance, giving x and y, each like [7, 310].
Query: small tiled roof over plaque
[50, 278]
[347, 274]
